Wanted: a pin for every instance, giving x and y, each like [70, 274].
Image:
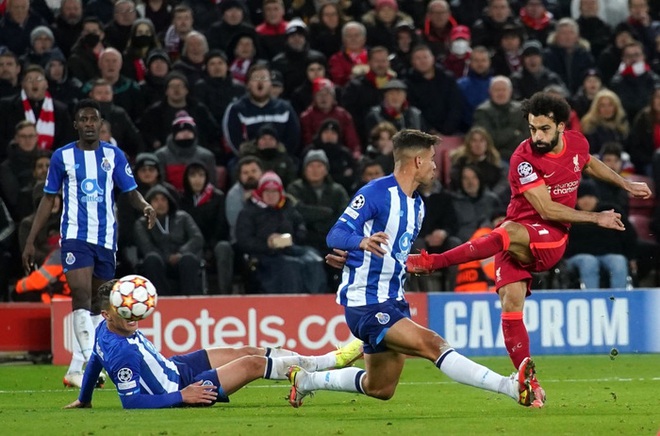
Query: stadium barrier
[559, 322]
[25, 327]
[310, 324]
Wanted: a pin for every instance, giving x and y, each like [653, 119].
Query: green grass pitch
[587, 395]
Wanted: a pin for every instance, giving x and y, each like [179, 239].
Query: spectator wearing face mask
[458, 59]
[181, 148]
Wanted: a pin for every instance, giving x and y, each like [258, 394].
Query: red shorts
[547, 244]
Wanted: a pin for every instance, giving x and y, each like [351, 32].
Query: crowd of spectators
[250, 123]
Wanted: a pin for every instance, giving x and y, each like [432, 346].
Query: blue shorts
[80, 254]
[194, 367]
[370, 323]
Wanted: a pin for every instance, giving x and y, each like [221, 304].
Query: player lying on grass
[378, 229]
[145, 379]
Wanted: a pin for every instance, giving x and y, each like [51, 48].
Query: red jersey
[561, 173]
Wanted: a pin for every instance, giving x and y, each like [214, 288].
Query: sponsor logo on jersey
[92, 191]
[405, 243]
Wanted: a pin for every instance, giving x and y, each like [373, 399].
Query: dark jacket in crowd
[183, 237]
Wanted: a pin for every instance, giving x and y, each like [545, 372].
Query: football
[134, 297]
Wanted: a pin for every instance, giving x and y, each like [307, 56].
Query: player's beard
[546, 147]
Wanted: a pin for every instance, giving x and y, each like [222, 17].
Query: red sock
[516, 339]
[480, 248]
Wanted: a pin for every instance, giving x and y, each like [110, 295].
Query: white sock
[77, 359]
[279, 352]
[277, 367]
[326, 361]
[463, 370]
[344, 380]
[84, 331]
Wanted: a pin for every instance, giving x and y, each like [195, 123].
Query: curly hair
[551, 106]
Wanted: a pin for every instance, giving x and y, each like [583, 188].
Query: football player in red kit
[544, 175]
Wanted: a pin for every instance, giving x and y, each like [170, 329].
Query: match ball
[134, 297]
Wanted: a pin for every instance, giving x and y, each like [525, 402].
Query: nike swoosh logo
[549, 175]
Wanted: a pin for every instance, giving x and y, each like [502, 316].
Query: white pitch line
[280, 385]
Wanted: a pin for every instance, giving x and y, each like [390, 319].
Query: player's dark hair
[86, 103]
[411, 139]
[551, 106]
[104, 293]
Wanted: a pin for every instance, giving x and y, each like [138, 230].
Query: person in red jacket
[353, 53]
[324, 106]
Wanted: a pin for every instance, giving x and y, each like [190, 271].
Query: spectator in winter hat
[272, 153]
[458, 59]
[341, 164]
[324, 106]
[395, 109]
[158, 66]
[182, 148]
[273, 232]
[291, 62]
[319, 201]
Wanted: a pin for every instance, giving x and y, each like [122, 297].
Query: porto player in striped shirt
[86, 172]
[544, 175]
[377, 229]
[145, 379]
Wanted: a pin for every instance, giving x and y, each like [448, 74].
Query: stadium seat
[648, 247]
[442, 156]
[642, 225]
[221, 173]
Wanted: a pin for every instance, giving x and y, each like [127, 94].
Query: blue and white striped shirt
[380, 206]
[87, 179]
[134, 364]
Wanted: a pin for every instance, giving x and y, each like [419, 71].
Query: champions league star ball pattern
[134, 297]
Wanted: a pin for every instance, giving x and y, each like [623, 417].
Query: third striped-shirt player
[86, 173]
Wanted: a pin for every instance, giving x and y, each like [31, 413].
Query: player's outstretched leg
[463, 370]
[342, 357]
